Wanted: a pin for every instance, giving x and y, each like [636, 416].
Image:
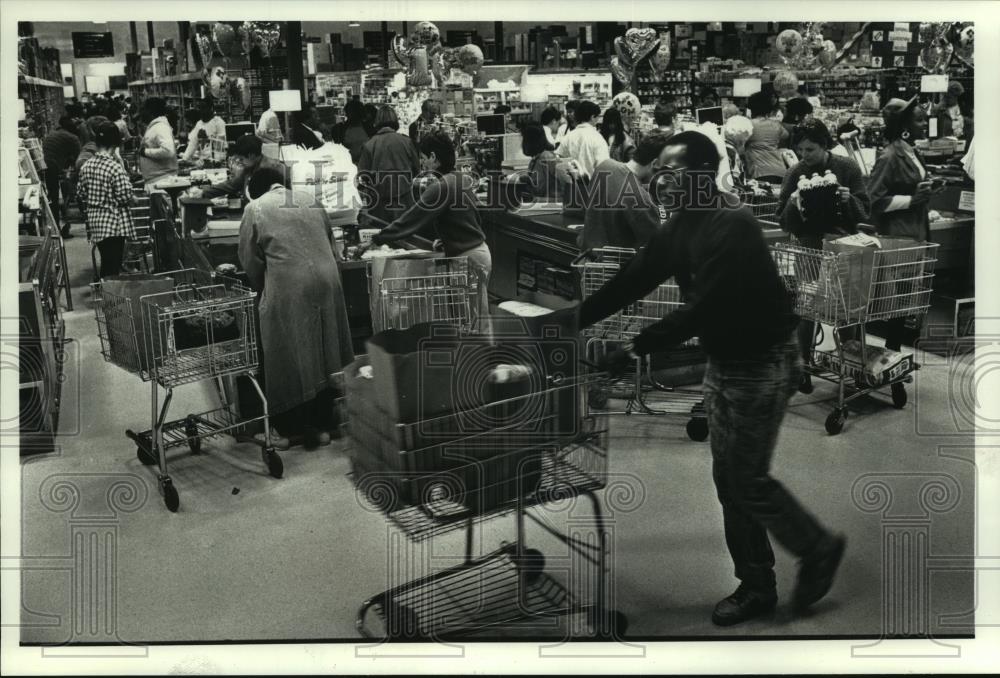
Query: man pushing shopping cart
[737, 305]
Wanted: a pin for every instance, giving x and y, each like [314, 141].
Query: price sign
[900, 45]
[967, 201]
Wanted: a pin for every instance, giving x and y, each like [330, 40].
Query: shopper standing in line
[551, 120]
[60, 148]
[663, 115]
[287, 250]
[246, 158]
[900, 188]
[105, 195]
[428, 114]
[158, 150]
[764, 161]
[542, 179]
[207, 139]
[584, 143]
[305, 132]
[812, 141]
[354, 136]
[740, 310]
[269, 127]
[388, 163]
[569, 122]
[620, 144]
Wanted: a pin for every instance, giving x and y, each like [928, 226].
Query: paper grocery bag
[137, 339]
[870, 278]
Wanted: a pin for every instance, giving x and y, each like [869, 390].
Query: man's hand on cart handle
[617, 361]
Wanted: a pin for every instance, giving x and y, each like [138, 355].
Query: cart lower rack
[429, 478]
[177, 328]
[846, 290]
[597, 267]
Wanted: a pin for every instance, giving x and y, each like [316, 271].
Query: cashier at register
[245, 159]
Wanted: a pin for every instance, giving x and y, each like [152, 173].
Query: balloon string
[849, 45]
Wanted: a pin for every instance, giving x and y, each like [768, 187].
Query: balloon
[417, 75]
[225, 38]
[624, 53]
[788, 43]
[246, 39]
[470, 59]
[244, 92]
[828, 54]
[214, 78]
[204, 45]
[623, 73]
[628, 105]
[266, 35]
[660, 59]
[786, 83]
[640, 42]
[426, 34]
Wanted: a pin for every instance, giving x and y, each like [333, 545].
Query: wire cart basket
[203, 327]
[452, 471]
[597, 267]
[838, 289]
[763, 203]
[434, 289]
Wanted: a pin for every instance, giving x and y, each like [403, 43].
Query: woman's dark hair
[664, 112]
[650, 147]
[262, 180]
[612, 123]
[797, 109]
[154, 107]
[700, 152]
[761, 104]
[573, 105]
[69, 124]
[247, 146]
[534, 141]
[550, 114]
[708, 93]
[107, 135]
[172, 118]
[114, 113]
[585, 110]
[440, 145]
[386, 117]
[812, 130]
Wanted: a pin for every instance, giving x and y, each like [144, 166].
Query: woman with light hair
[736, 131]
[729, 111]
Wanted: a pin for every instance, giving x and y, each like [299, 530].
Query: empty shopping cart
[849, 290]
[596, 268]
[434, 289]
[190, 326]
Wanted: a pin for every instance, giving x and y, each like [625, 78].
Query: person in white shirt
[269, 127]
[158, 151]
[207, 139]
[585, 144]
[551, 122]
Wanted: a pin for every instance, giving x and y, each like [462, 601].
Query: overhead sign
[92, 45]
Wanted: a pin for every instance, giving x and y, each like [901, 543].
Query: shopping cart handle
[378, 221]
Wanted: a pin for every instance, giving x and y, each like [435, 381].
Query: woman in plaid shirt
[105, 194]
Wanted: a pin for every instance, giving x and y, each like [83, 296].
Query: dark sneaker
[806, 384]
[744, 604]
[816, 571]
[64, 231]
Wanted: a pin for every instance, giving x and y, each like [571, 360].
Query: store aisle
[253, 558]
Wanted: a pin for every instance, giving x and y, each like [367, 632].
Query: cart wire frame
[446, 292]
[839, 290]
[596, 268]
[144, 337]
[505, 474]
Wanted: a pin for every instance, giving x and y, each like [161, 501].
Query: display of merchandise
[43, 104]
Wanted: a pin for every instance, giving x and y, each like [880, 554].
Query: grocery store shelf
[32, 80]
[183, 77]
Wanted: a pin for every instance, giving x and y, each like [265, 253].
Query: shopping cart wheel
[170, 497]
[697, 429]
[274, 465]
[191, 431]
[835, 422]
[532, 563]
[597, 398]
[608, 624]
[147, 458]
[898, 396]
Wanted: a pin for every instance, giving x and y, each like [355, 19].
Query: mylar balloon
[225, 38]
[786, 83]
[470, 59]
[418, 75]
[828, 54]
[660, 59]
[623, 73]
[628, 105]
[788, 44]
[426, 34]
[204, 44]
[640, 42]
[246, 39]
[624, 53]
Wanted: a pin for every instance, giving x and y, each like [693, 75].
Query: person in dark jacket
[387, 165]
[428, 114]
[354, 132]
[306, 132]
[60, 149]
[739, 308]
[542, 180]
[900, 187]
[812, 141]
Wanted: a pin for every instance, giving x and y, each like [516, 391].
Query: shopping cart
[597, 267]
[836, 289]
[763, 202]
[203, 327]
[453, 471]
[435, 289]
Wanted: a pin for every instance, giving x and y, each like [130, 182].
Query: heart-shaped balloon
[266, 34]
[246, 39]
[623, 53]
[828, 54]
[623, 73]
[660, 59]
[641, 42]
[204, 44]
[224, 37]
[426, 34]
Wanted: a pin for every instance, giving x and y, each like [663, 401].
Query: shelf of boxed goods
[842, 88]
[43, 103]
[176, 90]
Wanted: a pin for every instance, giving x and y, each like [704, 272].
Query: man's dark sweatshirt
[735, 301]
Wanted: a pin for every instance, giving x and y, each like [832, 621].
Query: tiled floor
[249, 557]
